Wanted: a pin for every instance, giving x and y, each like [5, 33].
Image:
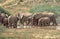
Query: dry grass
[32, 33]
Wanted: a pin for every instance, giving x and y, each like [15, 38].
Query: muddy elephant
[25, 19]
[12, 21]
[28, 20]
[44, 21]
[51, 15]
[2, 16]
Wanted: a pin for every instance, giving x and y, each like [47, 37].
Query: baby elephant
[44, 21]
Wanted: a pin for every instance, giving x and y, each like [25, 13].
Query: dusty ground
[48, 32]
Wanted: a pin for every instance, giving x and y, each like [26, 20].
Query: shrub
[4, 11]
[46, 7]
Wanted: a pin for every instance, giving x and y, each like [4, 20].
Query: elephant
[2, 16]
[12, 21]
[44, 21]
[51, 15]
[27, 19]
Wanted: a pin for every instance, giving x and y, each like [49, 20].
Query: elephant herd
[39, 19]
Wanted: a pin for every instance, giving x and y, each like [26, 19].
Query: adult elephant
[12, 21]
[51, 15]
[2, 16]
[44, 21]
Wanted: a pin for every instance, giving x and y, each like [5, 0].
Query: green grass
[46, 7]
[7, 38]
[2, 28]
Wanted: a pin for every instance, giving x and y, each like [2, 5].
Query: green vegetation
[8, 38]
[46, 7]
[2, 28]
[4, 11]
[1, 1]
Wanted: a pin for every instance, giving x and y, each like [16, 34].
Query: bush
[46, 7]
[4, 11]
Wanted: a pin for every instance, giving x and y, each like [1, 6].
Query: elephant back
[44, 14]
[37, 16]
[12, 19]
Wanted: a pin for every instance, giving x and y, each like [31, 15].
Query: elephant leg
[45, 24]
[27, 23]
[54, 22]
[42, 24]
[15, 25]
[10, 25]
[7, 25]
[31, 22]
[4, 24]
[36, 22]
[48, 23]
[39, 23]
[22, 22]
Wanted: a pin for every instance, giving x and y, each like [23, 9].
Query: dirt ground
[47, 32]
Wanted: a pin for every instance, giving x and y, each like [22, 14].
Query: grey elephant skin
[45, 21]
[12, 21]
[40, 15]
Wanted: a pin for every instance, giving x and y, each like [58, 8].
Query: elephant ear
[20, 15]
